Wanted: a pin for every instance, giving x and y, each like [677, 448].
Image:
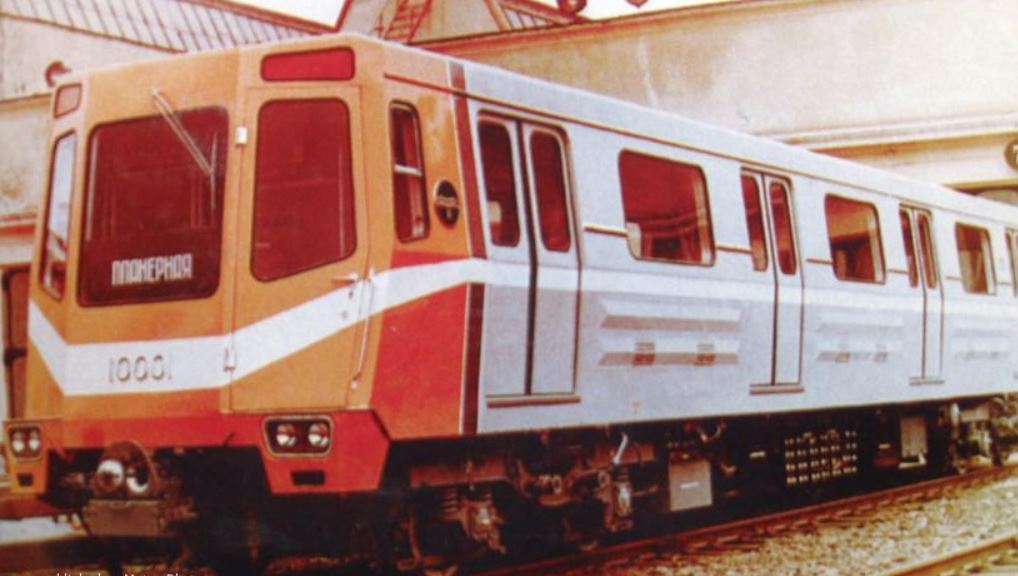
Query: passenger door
[923, 275]
[529, 335]
[302, 285]
[782, 258]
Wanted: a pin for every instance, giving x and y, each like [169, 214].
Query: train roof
[575, 105]
[499, 85]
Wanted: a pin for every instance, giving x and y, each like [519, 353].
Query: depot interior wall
[24, 125]
[29, 48]
[26, 50]
[973, 164]
[795, 67]
[445, 19]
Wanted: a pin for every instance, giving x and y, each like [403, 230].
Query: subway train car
[341, 297]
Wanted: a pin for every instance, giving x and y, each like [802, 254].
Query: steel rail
[976, 559]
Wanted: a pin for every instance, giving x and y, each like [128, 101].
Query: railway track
[999, 556]
[697, 546]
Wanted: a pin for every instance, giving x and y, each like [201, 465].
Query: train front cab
[198, 329]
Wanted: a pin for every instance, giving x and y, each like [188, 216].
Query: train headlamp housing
[25, 442]
[298, 435]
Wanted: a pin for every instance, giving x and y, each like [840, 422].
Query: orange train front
[340, 283]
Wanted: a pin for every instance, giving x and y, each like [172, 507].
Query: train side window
[754, 222]
[546, 155]
[666, 210]
[303, 200]
[784, 234]
[408, 184]
[499, 184]
[975, 258]
[908, 238]
[1012, 253]
[929, 258]
[853, 230]
[58, 217]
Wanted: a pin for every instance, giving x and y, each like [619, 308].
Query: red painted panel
[418, 381]
[354, 463]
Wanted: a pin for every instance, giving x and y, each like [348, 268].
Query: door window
[1011, 238]
[500, 184]
[754, 222]
[303, 199]
[910, 256]
[926, 251]
[550, 188]
[784, 235]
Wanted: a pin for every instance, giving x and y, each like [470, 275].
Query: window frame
[348, 142]
[991, 279]
[708, 214]
[47, 208]
[880, 278]
[420, 173]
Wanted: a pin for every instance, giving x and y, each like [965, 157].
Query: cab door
[302, 280]
[529, 335]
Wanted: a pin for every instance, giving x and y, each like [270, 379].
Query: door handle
[344, 280]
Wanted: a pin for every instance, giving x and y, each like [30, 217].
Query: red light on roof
[67, 100]
[329, 64]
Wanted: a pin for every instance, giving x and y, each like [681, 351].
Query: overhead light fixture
[637, 3]
[571, 7]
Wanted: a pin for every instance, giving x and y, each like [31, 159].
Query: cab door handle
[344, 280]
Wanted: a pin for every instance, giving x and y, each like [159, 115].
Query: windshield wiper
[168, 113]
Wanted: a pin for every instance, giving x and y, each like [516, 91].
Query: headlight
[319, 435]
[34, 441]
[18, 444]
[25, 442]
[299, 435]
[286, 435]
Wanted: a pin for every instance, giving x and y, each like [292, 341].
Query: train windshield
[153, 211]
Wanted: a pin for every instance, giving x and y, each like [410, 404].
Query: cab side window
[408, 184]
